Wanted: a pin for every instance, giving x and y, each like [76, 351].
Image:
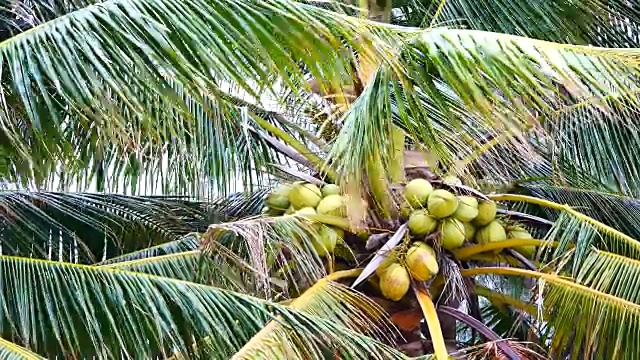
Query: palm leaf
[612, 274]
[479, 86]
[11, 351]
[97, 311]
[574, 229]
[581, 317]
[609, 207]
[595, 22]
[320, 300]
[159, 98]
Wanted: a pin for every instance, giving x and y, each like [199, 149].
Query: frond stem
[565, 208]
[298, 146]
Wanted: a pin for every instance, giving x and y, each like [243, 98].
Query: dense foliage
[438, 178]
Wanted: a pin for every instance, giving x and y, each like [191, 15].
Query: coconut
[494, 231]
[486, 213]
[421, 223]
[279, 198]
[467, 208]
[451, 180]
[452, 233]
[422, 262]
[469, 231]
[520, 233]
[417, 192]
[305, 195]
[332, 205]
[330, 189]
[442, 203]
[327, 239]
[391, 258]
[394, 282]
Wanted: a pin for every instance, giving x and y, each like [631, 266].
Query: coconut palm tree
[530, 105]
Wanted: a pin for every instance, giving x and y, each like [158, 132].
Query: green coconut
[451, 180]
[442, 203]
[327, 239]
[422, 262]
[305, 195]
[391, 258]
[487, 210]
[520, 233]
[467, 208]
[469, 231]
[452, 233]
[494, 231]
[279, 198]
[332, 205]
[421, 223]
[417, 192]
[306, 211]
[395, 282]
[330, 189]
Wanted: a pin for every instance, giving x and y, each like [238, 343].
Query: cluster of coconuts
[457, 218]
[420, 263]
[302, 198]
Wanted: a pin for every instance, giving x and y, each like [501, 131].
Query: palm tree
[530, 104]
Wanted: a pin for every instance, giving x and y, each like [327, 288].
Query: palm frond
[612, 208]
[593, 22]
[582, 317]
[96, 311]
[186, 243]
[612, 274]
[11, 351]
[138, 86]
[573, 229]
[325, 299]
[477, 87]
[88, 227]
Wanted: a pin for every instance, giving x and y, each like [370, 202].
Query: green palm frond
[577, 232]
[612, 274]
[91, 311]
[592, 22]
[187, 243]
[89, 227]
[325, 299]
[11, 351]
[585, 321]
[96, 227]
[498, 81]
[619, 211]
[157, 103]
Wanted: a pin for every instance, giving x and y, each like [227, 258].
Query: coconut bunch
[302, 198]
[456, 218]
[443, 219]
[395, 272]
